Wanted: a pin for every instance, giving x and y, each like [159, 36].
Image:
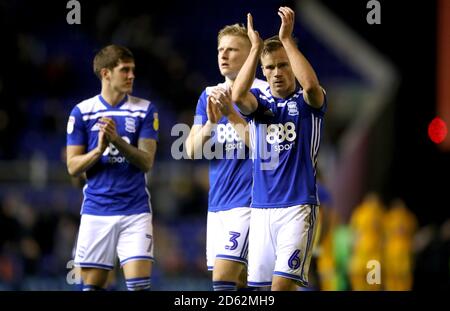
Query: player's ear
[104, 73]
[264, 73]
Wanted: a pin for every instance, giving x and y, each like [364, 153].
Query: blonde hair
[237, 30]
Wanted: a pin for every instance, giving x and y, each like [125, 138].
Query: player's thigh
[283, 284]
[261, 256]
[235, 234]
[96, 243]
[231, 232]
[213, 233]
[295, 242]
[135, 241]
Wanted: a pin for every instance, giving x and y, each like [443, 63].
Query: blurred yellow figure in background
[400, 227]
[367, 227]
[326, 263]
[328, 220]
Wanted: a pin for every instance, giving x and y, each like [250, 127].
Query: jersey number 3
[234, 236]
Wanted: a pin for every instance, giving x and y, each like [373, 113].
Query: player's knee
[284, 284]
[94, 279]
[226, 270]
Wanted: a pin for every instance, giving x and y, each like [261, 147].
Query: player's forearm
[240, 125]
[77, 165]
[302, 69]
[195, 141]
[141, 159]
[244, 81]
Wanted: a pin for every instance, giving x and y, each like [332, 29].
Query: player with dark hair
[112, 138]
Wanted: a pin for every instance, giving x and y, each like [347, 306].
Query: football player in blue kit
[228, 207]
[288, 124]
[112, 138]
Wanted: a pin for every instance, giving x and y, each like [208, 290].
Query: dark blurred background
[378, 167]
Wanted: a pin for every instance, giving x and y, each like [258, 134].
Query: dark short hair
[110, 56]
[271, 44]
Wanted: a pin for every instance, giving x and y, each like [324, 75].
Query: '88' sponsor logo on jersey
[278, 133]
[113, 153]
[227, 134]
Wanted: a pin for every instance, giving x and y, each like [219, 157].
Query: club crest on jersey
[292, 108]
[130, 125]
[155, 121]
[70, 125]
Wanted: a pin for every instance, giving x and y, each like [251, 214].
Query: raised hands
[287, 22]
[253, 35]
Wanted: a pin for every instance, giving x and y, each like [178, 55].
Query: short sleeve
[318, 111]
[76, 133]
[201, 116]
[150, 125]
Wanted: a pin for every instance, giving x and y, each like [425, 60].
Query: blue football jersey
[114, 186]
[286, 140]
[230, 168]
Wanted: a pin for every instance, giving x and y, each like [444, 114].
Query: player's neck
[229, 82]
[284, 94]
[278, 95]
[113, 98]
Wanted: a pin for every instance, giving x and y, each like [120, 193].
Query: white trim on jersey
[264, 97]
[95, 105]
[91, 105]
[253, 150]
[84, 197]
[209, 89]
[136, 103]
[262, 85]
[252, 138]
[316, 151]
[257, 84]
[282, 104]
[114, 113]
[148, 193]
[315, 140]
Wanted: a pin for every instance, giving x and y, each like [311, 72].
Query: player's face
[278, 72]
[122, 77]
[232, 53]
